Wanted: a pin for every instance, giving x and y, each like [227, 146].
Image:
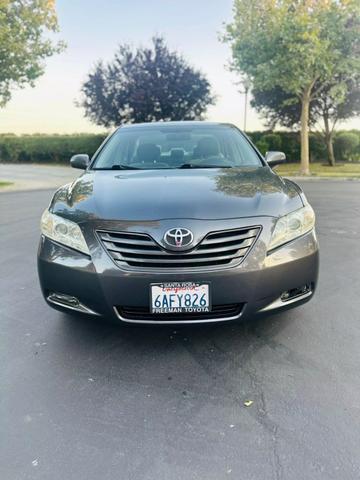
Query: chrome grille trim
[139, 251]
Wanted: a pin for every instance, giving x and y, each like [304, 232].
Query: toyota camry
[178, 222]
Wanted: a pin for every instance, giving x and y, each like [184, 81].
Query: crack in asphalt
[270, 426]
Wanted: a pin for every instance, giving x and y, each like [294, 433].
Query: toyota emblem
[178, 238]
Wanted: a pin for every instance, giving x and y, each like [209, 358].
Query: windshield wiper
[124, 167]
[118, 167]
[195, 165]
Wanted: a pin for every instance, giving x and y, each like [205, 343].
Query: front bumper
[102, 288]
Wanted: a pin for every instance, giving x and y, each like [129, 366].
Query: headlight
[63, 231]
[293, 225]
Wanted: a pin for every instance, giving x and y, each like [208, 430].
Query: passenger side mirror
[275, 158]
[81, 160]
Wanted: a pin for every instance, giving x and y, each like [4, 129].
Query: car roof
[169, 124]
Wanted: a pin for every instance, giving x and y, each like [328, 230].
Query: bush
[346, 146]
[290, 145]
[256, 136]
[46, 148]
[273, 141]
[267, 142]
[262, 146]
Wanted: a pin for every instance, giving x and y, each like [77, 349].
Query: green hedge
[346, 145]
[46, 148]
[59, 148]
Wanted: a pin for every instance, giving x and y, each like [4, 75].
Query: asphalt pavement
[84, 400]
[29, 176]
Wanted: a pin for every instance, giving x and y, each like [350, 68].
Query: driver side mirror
[81, 160]
[275, 158]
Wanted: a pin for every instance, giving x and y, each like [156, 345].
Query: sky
[92, 30]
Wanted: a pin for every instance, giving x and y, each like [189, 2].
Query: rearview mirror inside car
[81, 160]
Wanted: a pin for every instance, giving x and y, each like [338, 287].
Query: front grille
[139, 250]
[142, 314]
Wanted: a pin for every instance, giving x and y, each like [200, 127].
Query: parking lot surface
[24, 177]
[276, 398]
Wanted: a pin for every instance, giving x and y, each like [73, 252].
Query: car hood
[167, 194]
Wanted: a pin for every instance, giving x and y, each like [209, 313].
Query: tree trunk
[329, 141]
[304, 132]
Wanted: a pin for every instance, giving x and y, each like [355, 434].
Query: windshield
[186, 146]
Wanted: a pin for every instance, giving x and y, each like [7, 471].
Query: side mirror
[81, 160]
[274, 158]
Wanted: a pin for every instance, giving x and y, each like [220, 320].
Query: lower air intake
[142, 314]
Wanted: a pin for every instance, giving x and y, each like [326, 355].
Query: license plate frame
[180, 288]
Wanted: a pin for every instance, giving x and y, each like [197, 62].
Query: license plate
[180, 297]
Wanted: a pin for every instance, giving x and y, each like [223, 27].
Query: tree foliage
[295, 45]
[277, 107]
[144, 85]
[280, 108]
[339, 99]
[23, 42]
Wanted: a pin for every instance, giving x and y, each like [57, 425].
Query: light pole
[245, 92]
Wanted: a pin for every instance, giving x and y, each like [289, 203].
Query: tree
[295, 45]
[338, 100]
[23, 44]
[144, 85]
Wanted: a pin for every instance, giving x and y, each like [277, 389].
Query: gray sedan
[178, 222]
